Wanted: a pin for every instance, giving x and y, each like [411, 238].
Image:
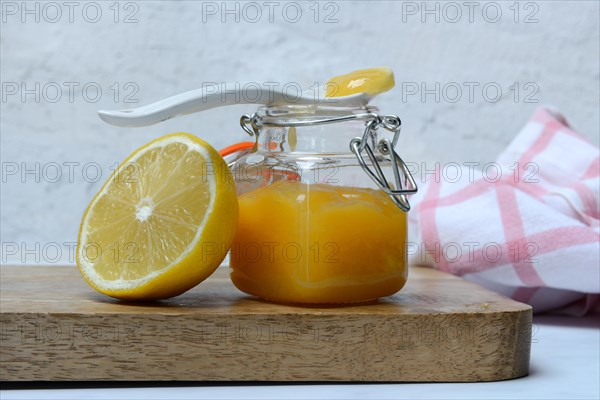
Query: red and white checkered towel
[526, 226]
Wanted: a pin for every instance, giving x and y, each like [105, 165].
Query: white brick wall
[178, 46]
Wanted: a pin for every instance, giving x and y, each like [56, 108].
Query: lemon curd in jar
[319, 243]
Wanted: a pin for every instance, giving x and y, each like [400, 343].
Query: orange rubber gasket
[234, 148]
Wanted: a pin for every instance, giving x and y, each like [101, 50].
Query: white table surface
[565, 364]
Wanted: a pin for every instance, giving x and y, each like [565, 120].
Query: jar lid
[403, 181]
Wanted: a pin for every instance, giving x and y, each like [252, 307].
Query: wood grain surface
[54, 327]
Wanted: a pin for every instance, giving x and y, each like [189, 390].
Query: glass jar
[319, 220]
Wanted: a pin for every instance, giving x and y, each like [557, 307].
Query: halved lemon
[162, 223]
[371, 81]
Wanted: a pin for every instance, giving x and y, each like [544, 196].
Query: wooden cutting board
[54, 327]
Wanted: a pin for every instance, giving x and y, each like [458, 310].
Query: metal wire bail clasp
[404, 182]
[247, 122]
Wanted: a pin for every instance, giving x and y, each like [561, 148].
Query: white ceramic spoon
[214, 96]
